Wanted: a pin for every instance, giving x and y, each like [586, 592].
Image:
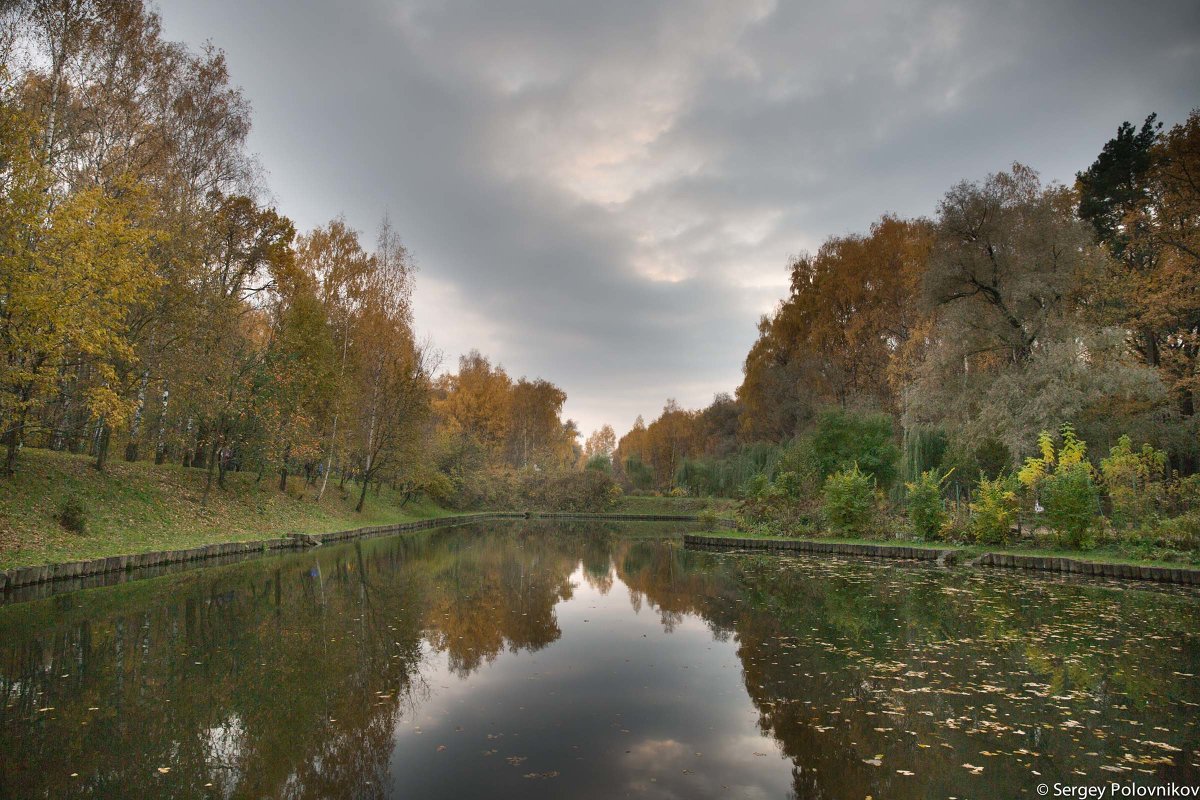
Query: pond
[540, 659]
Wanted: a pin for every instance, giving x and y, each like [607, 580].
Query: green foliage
[1134, 480]
[600, 462]
[707, 520]
[1062, 480]
[785, 504]
[638, 473]
[1114, 184]
[842, 439]
[437, 486]
[994, 510]
[728, 476]
[924, 449]
[926, 508]
[755, 486]
[849, 505]
[1183, 494]
[1071, 499]
[503, 488]
[72, 515]
[1175, 534]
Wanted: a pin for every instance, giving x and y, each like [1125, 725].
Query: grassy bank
[134, 508]
[1103, 554]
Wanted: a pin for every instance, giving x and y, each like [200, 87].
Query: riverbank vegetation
[139, 506]
[1022, 368]
[157, 309]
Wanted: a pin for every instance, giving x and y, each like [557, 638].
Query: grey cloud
[606, 194]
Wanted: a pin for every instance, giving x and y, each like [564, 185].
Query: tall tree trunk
[160, 445]
[333, 434]
[283, 467]
[212, 459]
[362, 495]
[104, 436]
[12, 442]
[135, 428]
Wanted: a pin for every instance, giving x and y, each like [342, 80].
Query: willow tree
[1013, 349]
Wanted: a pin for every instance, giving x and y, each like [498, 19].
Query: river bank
[1058, 561]
[143, 507]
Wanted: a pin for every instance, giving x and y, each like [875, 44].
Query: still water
[536, 659]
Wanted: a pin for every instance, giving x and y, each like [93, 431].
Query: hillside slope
[137, 507]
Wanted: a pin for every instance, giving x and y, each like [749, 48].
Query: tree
[1012, 349]
[475, 405]
[669, 440]
[1113, 189]
[68, 277]
[536, 436]
[340, 267]
[1143, 200]
[602, 442]
[250, 246]
[842, 336]
[391, 371]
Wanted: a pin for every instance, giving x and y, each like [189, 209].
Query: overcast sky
[606, 193]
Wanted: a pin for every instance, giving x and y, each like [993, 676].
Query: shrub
[707, 520]
[1174, 534]
[73, 516]
[1063, 481]
[1133, 480]
[1183, 494]
[574, 490]
[994, 510]
[755, 486]
[785, 504]
[849, 504]
[926, 509]
[1071, 496]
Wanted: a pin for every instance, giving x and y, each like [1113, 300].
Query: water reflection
[515, 659]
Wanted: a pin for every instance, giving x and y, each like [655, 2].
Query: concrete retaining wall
[1072, 566]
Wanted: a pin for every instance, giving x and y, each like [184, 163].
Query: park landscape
[238, 468]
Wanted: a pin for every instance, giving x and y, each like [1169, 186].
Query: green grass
[1105, 555]
[629, 504]
[138, 507]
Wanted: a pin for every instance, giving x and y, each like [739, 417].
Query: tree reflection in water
[590, 659]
